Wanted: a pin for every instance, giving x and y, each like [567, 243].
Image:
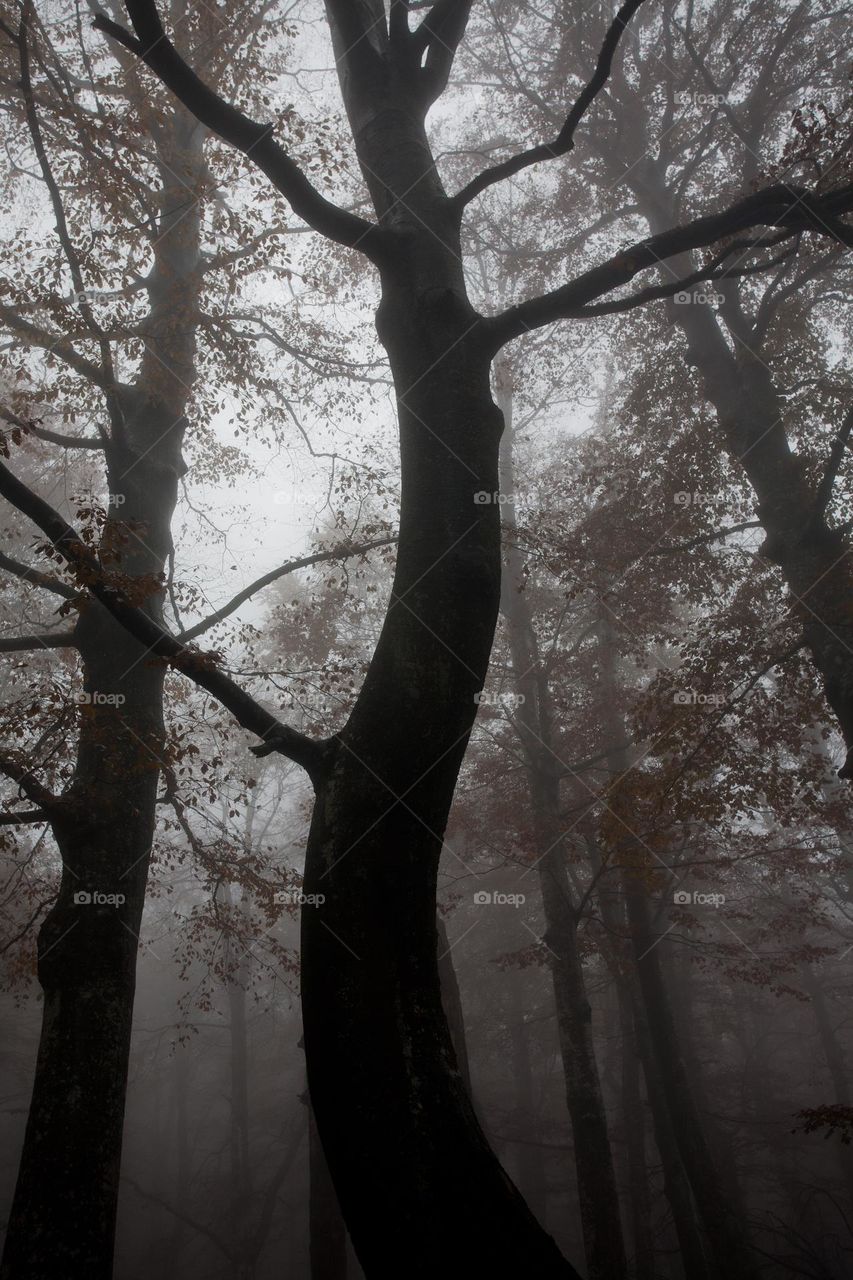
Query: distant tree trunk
[676, 1183]
[531, 1171]
[834, 1057]
[814, 559]
[725, 1231]
[596, 1178]
[634, 1129]
[180, 1085]
[62, 1222]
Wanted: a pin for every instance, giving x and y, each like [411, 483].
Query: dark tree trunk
[634, 1130]
[814, 560]
[452, 1001]
[62, 1223]
[529, 1156]
[326, 1230]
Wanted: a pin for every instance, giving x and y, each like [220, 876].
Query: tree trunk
[62, 1222]
[634, 1129]
[676, 1183]
[326, 1229]
[814, 560]
[596, 1178]
[725, 1232]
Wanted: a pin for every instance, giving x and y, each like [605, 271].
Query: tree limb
[194, 664]
[51, 640]
[791, 208]
[565, 139]
[341, 551]
[255, 140]
[703, 538]
[836, 453]
[36, 578]
[28, 784]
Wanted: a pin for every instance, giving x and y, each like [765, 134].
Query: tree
[401, 1137]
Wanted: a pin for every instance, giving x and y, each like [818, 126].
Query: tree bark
[62, 1222]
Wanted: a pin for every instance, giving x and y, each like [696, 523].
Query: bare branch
[194, 664]
[28, 784]
[23, 817]
[342, 551]
[565, 139]
[791, 208]
[704, 538]
[52, 437]
[51, 640]
[255, 140]
[35, 578]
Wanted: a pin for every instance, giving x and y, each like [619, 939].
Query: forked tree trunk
[411, 1166]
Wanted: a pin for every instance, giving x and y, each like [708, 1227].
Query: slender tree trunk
[531, 1172]
[814, 560]
[62, 1222]
[634, 1129]
[596, 1178]
[834, 1056]
[725, 1231]
[676, 1183]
